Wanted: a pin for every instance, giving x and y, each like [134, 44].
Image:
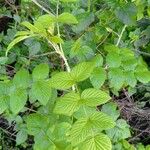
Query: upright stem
[60, 46]
[89, 5]
[57, 48]
[121, 34]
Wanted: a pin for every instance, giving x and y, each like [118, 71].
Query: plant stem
[61, 52]
[121, 34]
[89, 5]
[39, 5]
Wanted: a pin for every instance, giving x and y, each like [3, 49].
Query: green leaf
[21, 79]
[18, 100]
[113, 60]
[3, 60]
[84, 127]
[22, 33]
[84, 19]
[3, 103]
[21, 137]
[93, 97]
[67, 18]
[98, 60]
[67, 104]
[82, 71]
[29, 26]
[61, 130]
[116, 78]
[56, 39]
[112, 49]
[111, 110]
[129, 64]
[17, 40]
[98, 77]
[36, 123]
[130, 78]
[62, 81]
[46, 21]
[44, 141]
[101, 121]
[120, 132]
[127, 13]
[97, 142]
[41, 90]
[40, 72]
[82, 53]
[143, 76]
[70, 103]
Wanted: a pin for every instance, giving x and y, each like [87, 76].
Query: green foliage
[55, 86]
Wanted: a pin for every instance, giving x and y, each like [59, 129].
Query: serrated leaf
[129, 64]
[61, 130]
[111, 110]
[130, 78]
[98, 77]
[36, 123]
[84, 127]
[21, 79]
[3, 103]
[116, 78]
[44, 141]
[82, 53]
[82, 71]
[113, 60]
[67, 104]
[41, 90]
[62, 81]
[98, 60]
[84, 19]
[93, 97]
[40, 72]
[121, 131]
[67, 18]
[45, 20]
[97, 142]
[112, 49]
[21, 137]
[18, 100]
[143, 76]
[127, 13]
[71, 102]
[101, 121]
[3, 60]
[81, 129]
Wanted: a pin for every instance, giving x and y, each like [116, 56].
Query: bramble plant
[78, 118]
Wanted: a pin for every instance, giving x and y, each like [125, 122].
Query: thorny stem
[121, 34]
